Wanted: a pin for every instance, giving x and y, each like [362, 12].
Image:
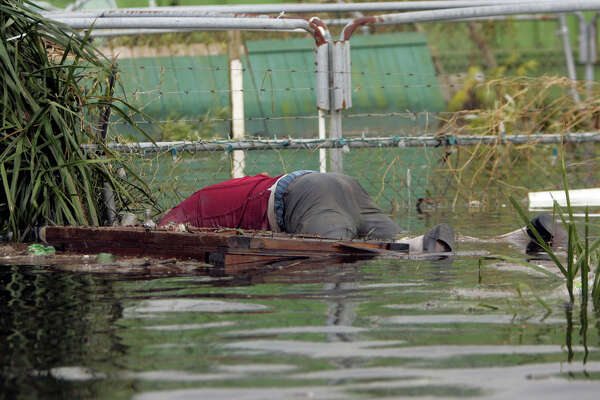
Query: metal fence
[464, 111]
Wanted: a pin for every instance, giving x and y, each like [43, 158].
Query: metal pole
[590, 52]
[327, 22]
[572, 74]
[322, 136]
[282, 9]
[236, 76]
[199, 23]
[587, 48]
[542, 7]
[323, 101]
[337, 104]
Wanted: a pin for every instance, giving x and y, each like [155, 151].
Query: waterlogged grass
[582, 256]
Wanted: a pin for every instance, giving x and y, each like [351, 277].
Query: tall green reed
[55, 89]
[581, 255]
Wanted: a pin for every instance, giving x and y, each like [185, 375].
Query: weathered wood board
[213, 246]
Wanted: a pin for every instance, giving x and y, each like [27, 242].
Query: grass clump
[528, 106]
[56, 91]
[582, 256]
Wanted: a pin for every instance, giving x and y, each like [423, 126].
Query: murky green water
[372, 329]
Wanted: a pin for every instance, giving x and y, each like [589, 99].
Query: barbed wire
[457, 75]
[362, 142]
[161, 92]
[311, 71]
[413, 115]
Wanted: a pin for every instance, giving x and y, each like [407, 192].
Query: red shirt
[236, 203]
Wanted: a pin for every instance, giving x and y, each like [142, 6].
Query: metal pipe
[572, 74]
[525, 17]
[283, 24]
[545, 7]
[149, 13]
[353, 143]
[327, 22]
[592, 53]
[322, 136]
[588, 48]
[295, 8]
[323, 101]
[236, 79]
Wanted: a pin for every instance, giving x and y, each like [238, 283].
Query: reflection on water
[188, 305]
[373, 329]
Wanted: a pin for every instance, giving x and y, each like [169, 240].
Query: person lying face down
[330, 205]
[548, 229]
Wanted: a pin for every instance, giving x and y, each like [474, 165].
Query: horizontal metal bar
[525, 17]
[327, 22]
[150, 13]
[540, 7]
[354, 143]
[307, 8]
[283, 24]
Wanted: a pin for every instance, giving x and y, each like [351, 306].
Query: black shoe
[549, 230]
[442, 233]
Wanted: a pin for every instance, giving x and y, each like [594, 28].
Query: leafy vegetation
[56, 96]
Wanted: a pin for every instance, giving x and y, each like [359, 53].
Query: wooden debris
[222, 248]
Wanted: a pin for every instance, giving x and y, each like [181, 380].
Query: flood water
[420, 329]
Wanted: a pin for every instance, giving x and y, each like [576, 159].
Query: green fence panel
[279, 81]
[390, 73]
[175, 88]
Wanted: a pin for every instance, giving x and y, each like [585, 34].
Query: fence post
[588, 48]
[564, 32]
[236, 73]
[592, 52]
[323, 103]
[341, 97]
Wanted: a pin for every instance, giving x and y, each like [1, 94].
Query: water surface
[371, 329]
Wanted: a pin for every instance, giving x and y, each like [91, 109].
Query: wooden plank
[207, 245]
[133, 242]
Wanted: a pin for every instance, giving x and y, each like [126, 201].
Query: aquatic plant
[56, 96]
[581, 256]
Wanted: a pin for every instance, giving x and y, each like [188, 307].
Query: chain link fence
[492, 78]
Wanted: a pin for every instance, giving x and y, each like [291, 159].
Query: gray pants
[334, 206]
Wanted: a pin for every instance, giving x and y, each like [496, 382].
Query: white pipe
[564, 32]
[322, 135]
[200, 23]
[237, 116]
